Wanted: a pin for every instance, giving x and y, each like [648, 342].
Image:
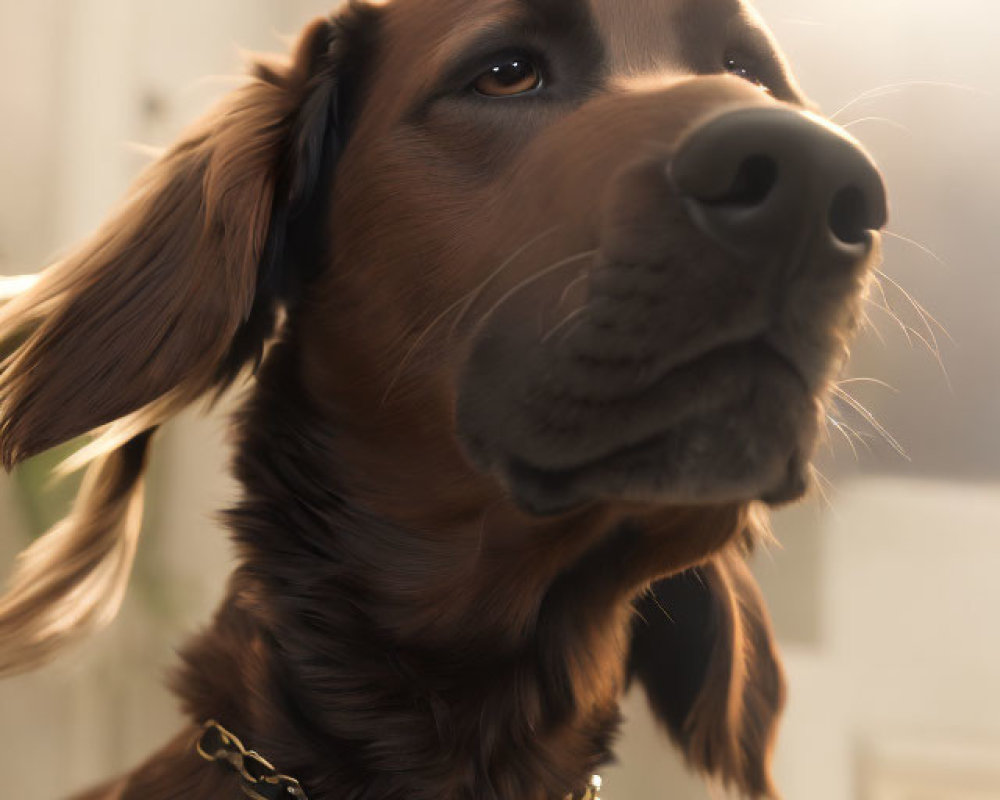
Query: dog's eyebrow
[493, 30]
[478, 36]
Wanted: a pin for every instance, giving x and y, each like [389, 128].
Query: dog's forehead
[636, 35]
[641, 35]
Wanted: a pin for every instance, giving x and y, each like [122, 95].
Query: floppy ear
[703, 649]
[168, 302]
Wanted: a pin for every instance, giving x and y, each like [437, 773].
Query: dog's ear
[167, 303]
[703, 649]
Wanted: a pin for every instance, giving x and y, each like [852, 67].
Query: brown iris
[508, 78]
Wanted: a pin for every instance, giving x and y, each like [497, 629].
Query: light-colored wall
[909, 656]
[883, 600]
[911, 652]
[30, 34]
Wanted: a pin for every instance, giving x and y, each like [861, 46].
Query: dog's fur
[451, 558]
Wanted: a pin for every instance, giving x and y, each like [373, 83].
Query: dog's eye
[746, 69]
[509, 77]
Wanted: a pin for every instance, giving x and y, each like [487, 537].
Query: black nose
[764, 178]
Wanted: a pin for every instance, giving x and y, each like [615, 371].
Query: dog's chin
[707, 463]
[753, 446]
[749, 438]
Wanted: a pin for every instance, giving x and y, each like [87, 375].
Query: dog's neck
[370, 661]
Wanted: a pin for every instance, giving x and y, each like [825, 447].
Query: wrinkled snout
[762, 179]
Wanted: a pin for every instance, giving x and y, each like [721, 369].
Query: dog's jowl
[538, 303]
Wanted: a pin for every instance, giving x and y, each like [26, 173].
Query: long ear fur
[168, 302]
[73, 579]
[704, 652]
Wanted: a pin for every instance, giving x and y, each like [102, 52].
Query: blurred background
[886, 589]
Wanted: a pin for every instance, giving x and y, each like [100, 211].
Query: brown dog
[557, 304]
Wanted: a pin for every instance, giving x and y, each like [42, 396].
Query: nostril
[849, 216]
[768, 179]
[755, 180]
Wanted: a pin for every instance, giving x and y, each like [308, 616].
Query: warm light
[13, 286]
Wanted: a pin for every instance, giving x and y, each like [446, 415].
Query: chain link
[261, 781]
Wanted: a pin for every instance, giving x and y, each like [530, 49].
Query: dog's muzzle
[717, 309]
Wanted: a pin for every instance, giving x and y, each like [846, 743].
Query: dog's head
[549, 264]
[634, 271]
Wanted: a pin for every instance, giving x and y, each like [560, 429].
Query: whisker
[871, 420]
[929, 323]
[925, 315]
[876, 381]
[929, 345]
[897, 88]
[822, 483]
[908, 331]
[856, 435]
[869, 324]
[840, 429]
[921, 247]
[531, 279]
[911, 333]
[885, 120]
[476, 293]
[887, 310]
[411, 351]
[567, 321]
[467, 300]
[583, 276]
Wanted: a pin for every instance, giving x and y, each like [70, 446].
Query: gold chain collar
[261, 781]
